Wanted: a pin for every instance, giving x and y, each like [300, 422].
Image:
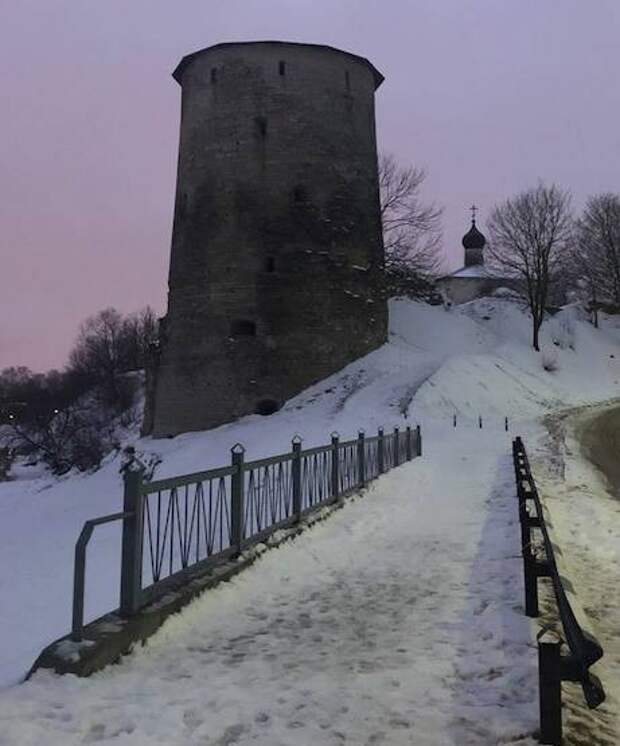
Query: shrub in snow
[509, 293]
[550, 360]
[80, 434]
[7, 456]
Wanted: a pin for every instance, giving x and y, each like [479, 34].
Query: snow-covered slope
[470, 360]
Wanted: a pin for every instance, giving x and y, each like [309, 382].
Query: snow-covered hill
[473, 360]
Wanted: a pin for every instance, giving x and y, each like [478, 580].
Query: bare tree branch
[411, 230]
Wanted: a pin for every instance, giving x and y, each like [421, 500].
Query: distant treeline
[69, 417]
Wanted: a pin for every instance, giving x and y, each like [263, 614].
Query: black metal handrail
[585, 650]
[190, 522]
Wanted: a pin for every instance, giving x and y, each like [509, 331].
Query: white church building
[474, 279]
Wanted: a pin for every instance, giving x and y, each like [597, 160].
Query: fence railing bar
[247, 501]
[79, 570]
[161, 485]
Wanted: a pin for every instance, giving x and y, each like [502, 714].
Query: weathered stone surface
[277, 231]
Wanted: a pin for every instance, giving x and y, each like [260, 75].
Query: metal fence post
[236, 498]
[453, 420]
[550, 688]
[418, 433]
[506, 424]
[296, 475]
[531, 584]
[396, 454]
[335, 465]
[131, 553]
[361, 459]
[408, 443]
[480, 421]
[380, 451]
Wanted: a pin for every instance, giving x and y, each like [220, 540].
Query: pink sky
[488, 95]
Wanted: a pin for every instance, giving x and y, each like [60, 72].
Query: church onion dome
[473, 239]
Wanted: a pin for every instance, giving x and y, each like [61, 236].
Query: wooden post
[380, 451]
[408, 448]
[418, 432]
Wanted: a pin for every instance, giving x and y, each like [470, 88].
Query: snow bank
[473, 359]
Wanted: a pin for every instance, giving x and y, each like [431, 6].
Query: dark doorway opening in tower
[270, 264]
[266, 407]
[242, 328]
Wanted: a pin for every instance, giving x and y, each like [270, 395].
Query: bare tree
[529, 235]
[97, 350]
[109, 345]
[583, 273]
[596, 252]
[411, 229]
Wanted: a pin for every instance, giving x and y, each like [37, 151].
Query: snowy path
[396, 621]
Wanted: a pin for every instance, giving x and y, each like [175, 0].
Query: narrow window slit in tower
[214, 74]
[243, 328]
[261, 126]
[282, 67]
[300, 194]
[347, 80]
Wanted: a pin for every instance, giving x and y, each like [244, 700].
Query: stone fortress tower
[276, 241]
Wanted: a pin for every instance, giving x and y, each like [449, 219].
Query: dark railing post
[418, 433]
[453, 420]
[131, 553]
[335, 465]
[236, 498]
[550, 688]
[296, 475]
[408, 443]
[480, 421]
[396, 454]
[531, 584]
[361, 459]
[506, 424]
[79, 572]
[380, 451]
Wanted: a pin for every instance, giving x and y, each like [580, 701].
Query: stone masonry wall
[277, 233]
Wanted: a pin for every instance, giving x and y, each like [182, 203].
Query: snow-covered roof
[476, 270]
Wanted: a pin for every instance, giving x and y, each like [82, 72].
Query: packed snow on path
[474, 360]
[398, 620]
